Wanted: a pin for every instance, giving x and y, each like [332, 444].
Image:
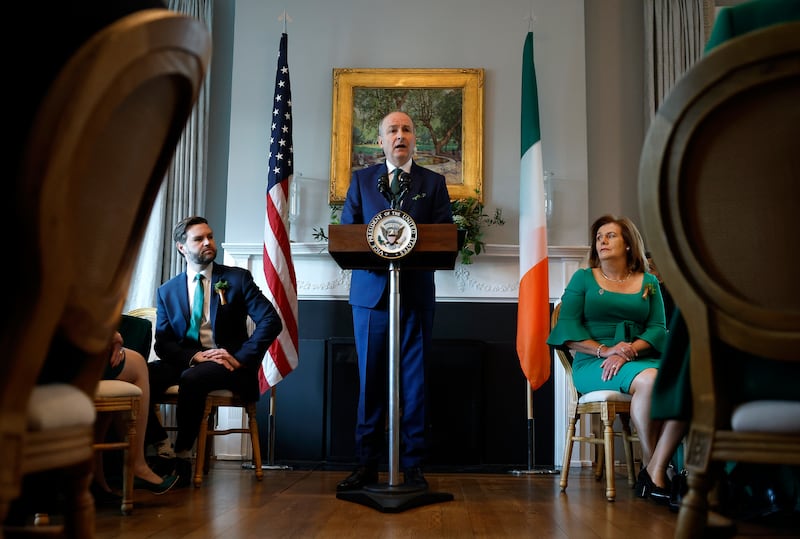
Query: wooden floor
[303, 503]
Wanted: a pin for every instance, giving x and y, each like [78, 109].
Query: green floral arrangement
[319, 233]
[468, 215]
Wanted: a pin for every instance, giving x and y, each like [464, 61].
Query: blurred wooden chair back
[97, 154]
[719, 181]
[605, 405]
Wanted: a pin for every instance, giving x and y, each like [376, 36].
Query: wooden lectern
[436, 247]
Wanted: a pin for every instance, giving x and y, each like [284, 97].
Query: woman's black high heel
[643, 484]
[646, 488]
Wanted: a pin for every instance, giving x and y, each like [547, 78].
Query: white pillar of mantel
[493, 277]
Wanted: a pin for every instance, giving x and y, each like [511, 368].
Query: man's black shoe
[414, 477]
[363, 475]
[162, 466]
[103, 497]
[183, 469]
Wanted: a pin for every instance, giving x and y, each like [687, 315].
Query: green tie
[396, 181]
[197, 309]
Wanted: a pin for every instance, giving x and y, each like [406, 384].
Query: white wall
[616, 105]
[414, 33]
[589, 66]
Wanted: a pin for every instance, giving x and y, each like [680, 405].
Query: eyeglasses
[608, 236]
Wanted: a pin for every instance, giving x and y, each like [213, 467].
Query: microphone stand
[394, 363]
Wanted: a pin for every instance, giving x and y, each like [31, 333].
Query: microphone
[384, 189]
[405, 183]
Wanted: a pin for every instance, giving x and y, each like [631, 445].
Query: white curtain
[183, 192]
[674, 39]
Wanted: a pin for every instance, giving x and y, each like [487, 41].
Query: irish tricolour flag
[533, 314]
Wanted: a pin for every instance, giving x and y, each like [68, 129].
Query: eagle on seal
[393, 233]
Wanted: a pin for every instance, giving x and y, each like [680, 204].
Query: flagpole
[531, 428]
[533, 322]
[270, 458]
[282, 355]
[270, 464]
[284, 18]
[532, 469]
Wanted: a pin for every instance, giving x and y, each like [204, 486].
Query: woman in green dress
[612, 318]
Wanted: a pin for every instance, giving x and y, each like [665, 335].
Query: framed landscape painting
[446, 106]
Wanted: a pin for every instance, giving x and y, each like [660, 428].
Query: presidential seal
[392, 234]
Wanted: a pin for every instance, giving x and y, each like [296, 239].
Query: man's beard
[204, 258]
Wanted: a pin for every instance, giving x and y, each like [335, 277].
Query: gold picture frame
[361, 97]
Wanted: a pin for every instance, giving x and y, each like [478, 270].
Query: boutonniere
[221, 287]
[649, 289]
[419, 196]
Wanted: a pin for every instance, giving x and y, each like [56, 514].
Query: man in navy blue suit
[218, 353]
[427, 201]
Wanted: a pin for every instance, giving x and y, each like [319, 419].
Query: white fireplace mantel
[492, 277]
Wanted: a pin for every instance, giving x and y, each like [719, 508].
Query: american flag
[281, 358]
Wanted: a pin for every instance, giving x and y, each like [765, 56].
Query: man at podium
[401, 184]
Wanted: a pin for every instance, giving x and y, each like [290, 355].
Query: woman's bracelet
[599, 348]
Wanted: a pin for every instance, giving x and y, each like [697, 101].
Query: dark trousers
[195, 384]
[162, 376]
[371, 327]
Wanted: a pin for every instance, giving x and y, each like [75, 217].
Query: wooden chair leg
[208, 430]
[627, 444]
[127, 473]
[79, 509]
[608, 449]
[256, 443]
[212, 426]
[599, 462]
[201, 445]
[694, 511]
[567, 454]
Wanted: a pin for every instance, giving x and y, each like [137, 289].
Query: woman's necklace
[607, 278]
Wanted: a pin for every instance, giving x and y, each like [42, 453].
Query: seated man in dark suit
[207, 348]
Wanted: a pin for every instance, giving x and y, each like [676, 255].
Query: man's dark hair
[179, 232]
